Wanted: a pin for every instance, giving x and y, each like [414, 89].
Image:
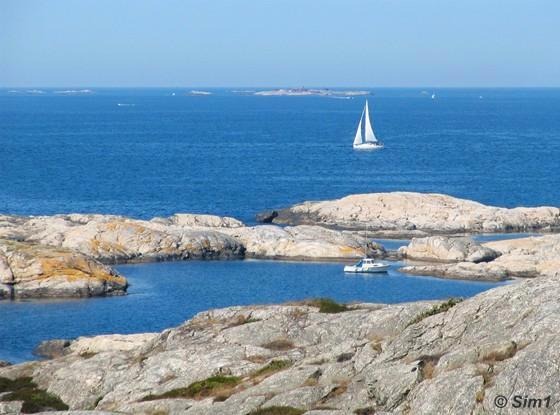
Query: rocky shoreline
[106, 239]
[63, 255]
[408, 215]
[317, 358]
[463, 258]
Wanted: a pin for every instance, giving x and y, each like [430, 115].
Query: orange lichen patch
[131, 226]
[76, 267]
[100, 246]
[347, 250]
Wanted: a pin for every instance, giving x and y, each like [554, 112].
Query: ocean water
[235, 154]
[163, 295]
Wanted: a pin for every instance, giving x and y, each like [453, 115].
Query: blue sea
[236, 154]
[146, 153]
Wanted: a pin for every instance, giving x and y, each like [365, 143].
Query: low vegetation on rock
[327, 305]
[436, 309]
[34, 399]
[272, 367]
[278, 410]
[213, 386]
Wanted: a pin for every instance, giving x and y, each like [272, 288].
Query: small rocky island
[302, 92]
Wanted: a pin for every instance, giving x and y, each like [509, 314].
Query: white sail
[358, 139]
[370, 136]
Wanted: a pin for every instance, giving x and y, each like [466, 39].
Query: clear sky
[280, 43]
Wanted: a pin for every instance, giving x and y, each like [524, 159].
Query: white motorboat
[367, 140]
[367, 265]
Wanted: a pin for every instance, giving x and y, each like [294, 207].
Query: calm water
[233, 154]
[165, 294]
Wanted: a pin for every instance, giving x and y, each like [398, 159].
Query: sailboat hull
[368, 146]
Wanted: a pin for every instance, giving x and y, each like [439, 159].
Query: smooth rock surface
[114, 239]
[503, 341]
[301, 242]
[518, 258]
[406, 214]
[446, 249]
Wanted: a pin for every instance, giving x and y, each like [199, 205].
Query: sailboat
[366, 141]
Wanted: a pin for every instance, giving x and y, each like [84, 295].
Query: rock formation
[426, 357]
[446, 249]
[523, 257]
[78, 241]
[404, 214]
[31, 270]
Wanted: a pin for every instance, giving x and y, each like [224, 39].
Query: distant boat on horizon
[433, 96]
[367, 140]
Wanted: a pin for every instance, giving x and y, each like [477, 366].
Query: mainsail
[358, 138]
[370, 136]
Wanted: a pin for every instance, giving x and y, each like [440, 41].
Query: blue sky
[280, 43]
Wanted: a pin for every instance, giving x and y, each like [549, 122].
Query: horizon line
[286, 87]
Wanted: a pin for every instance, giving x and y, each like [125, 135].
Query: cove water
[163, 295]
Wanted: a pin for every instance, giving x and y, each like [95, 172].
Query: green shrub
[34, 399]
[272, 367]
[212, 386]
[279, 345]
[327, 305]
[436, 309]
[277, 410]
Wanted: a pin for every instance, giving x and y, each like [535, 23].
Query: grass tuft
[34, 399]
[436, 309]
[273, 367]
[327, 305]
[213, 386]
[278, 410]
[279, 345]
[370, 410]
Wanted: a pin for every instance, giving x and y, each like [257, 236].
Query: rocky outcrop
[52, 256]
[114, 239]
[31, 270]
[408, 358]
[403, 214]
[446, 249]
[460, 271]
[517, 258]
[52, 348]
[303, 242]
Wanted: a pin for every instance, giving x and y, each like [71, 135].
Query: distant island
[194, 92]
[310, 92]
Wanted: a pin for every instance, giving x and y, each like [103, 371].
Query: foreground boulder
[405, 214]
[426, 357]
[30, 270]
